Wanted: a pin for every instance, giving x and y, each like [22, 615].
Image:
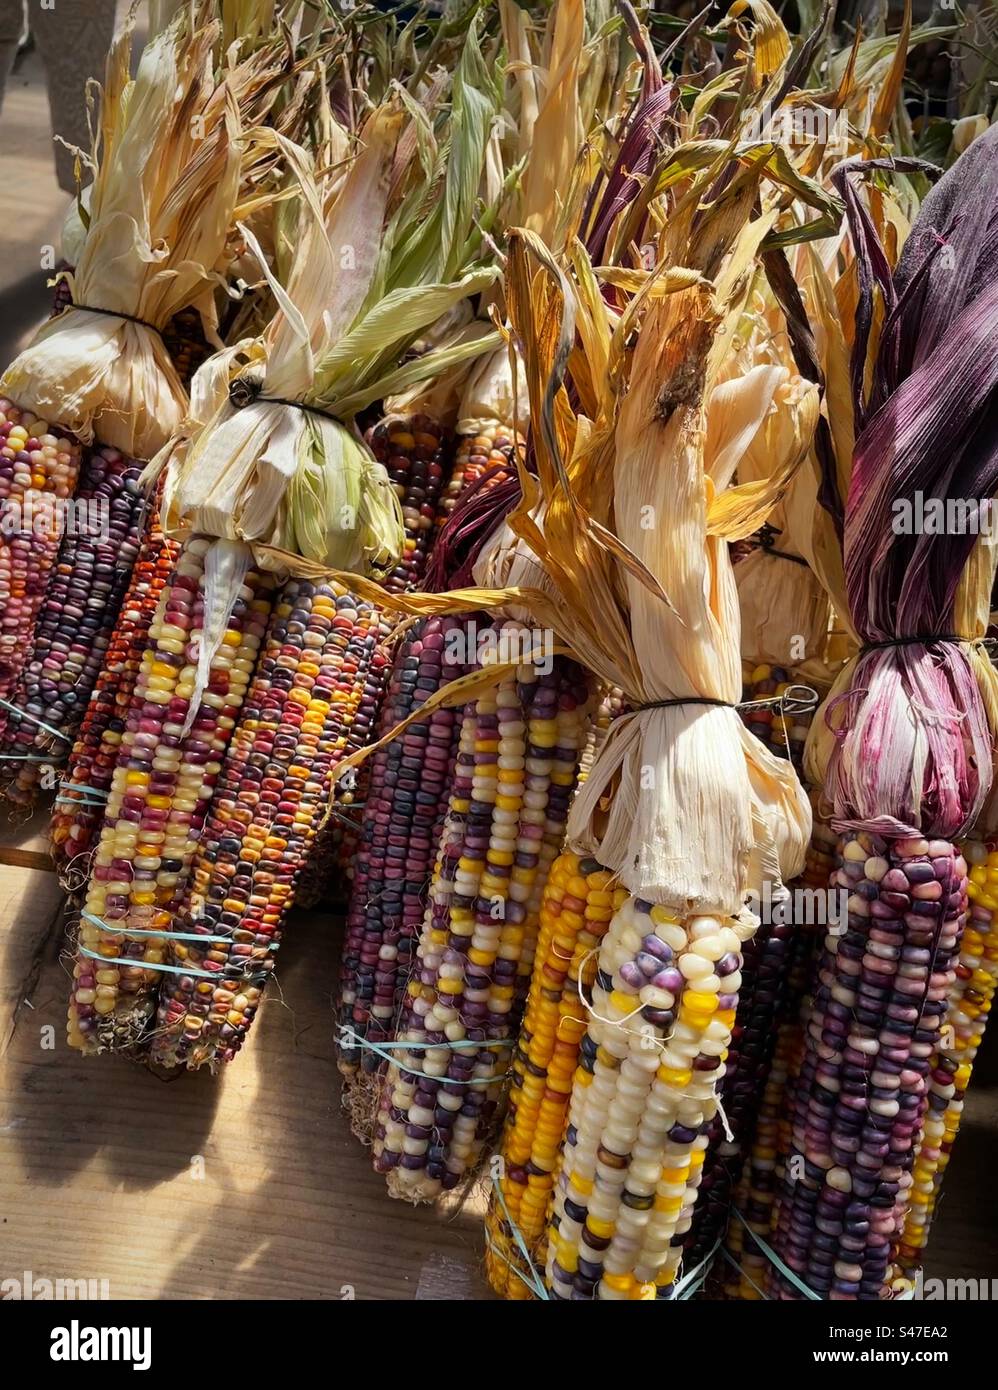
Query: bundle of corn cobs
[418, 594]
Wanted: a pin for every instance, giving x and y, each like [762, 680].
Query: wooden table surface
[249, 1185]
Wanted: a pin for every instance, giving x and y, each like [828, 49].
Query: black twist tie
[923, 640]
[692, 700]
[116, 314]
[244, 391]
[787, 703]
[767, 542]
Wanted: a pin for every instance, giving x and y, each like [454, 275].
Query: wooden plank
[14, 858]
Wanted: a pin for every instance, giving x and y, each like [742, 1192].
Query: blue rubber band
[538, 1286]
[79, 801]
[732, 1261]
[68, 787]
[151, 965]
[448, 1080]
[25, 758]
[57, 733]
[350, 1038]
[679, 1292]
[171, 936]
[775, 1260]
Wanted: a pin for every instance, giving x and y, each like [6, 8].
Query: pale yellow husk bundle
[683, 803]
[700, 810]
[168, 173]
[277, 474]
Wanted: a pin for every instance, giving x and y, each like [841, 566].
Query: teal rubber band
[114, 930]
[501, 1254]
[79, 801]
[24, 758]
[350, 1038]
[151, 965]
[538, 1286]
[68, 787]
[450, 1080]
[732, 1261]
[57, 733]
[775, 1260]
[702, 1269]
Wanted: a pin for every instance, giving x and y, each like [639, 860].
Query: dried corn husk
[168, 173]
[699, 810]
[906, 740]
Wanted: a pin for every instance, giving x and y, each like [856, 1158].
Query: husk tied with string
[169, 152]
[905, 743]
[683, 805]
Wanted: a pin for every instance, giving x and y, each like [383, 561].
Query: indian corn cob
[640, 1111]
[516, 768]
[411, 448]
[77, 816]
[966, 1018]
[160, 792]
[78, 613]
[911, 764]
[756, 1194]
[413, 451]
[38, 474]
[485, 445]
[579, 900]
[272, 790]
[871, 1030]
[767, 968]
[405, 803]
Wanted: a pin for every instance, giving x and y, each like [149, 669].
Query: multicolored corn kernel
[755, 1197]
[38, 474]
[272, 792]
[494, 446]
[966, 1018]
[643, 1099]
[872, 1028]
[77, 816]
[75, 621]
[405, 802]
[158, 803]
[413, 451]
[579, 900]
[611, 706]
[516, 768]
